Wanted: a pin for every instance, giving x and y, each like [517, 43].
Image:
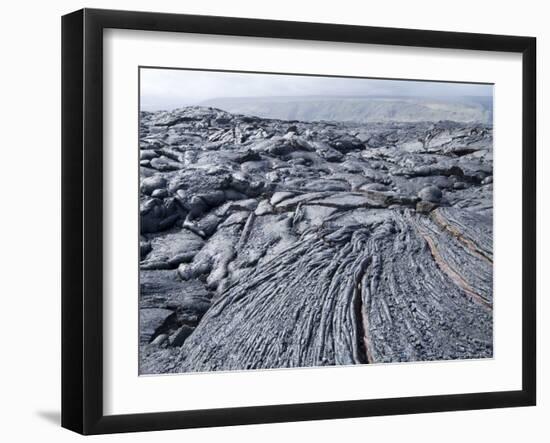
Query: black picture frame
[82, 215]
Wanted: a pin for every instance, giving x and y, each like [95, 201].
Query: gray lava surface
[276, 244]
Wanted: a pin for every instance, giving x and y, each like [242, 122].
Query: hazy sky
[173, 88]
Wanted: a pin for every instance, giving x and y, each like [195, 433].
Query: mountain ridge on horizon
[369, 108]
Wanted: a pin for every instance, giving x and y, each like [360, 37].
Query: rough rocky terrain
[271, 243]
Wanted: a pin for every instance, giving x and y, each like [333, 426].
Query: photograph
[291, 220]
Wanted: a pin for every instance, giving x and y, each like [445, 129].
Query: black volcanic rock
[271, 243]
[152, 321]
[431, 194]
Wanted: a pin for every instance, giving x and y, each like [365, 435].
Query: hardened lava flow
[277, 244]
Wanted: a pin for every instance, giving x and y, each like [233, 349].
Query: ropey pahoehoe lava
[272, 243]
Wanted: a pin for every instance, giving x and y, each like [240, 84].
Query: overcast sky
[165, 89]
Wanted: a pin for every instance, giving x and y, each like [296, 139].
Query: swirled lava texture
[276, 244]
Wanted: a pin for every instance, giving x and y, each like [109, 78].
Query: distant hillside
[361, 109]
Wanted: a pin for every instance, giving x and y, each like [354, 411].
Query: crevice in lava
[361, 323]
[472, 247]
[451, 273]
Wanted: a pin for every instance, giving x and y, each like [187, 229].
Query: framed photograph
[269, 221]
